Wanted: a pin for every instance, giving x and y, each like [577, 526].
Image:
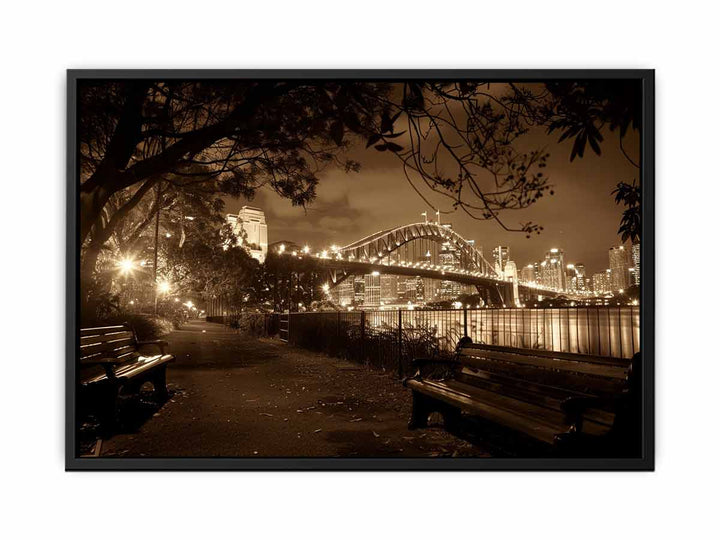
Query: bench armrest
[576, 407]
[419, 363]
[161, 343]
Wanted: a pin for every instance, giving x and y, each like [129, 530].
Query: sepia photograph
[360, 269]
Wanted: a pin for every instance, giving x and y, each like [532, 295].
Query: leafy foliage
[630, 224]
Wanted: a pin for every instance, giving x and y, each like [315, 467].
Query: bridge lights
[281, 248]
[306, 250]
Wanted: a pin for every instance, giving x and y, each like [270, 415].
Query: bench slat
[540, 394]
[110, 336]
[575, 357]
[548, 363]
[108, 348]
[536, 422]
[99, 330]
[562, 379]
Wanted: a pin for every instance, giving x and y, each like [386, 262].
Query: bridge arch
[381, 244]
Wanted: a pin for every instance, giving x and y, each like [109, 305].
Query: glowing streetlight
[126, 266]
[326, 288]
[163, 287]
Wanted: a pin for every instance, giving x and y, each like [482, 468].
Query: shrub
[146, 326]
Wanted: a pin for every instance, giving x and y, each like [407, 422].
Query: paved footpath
[233, 396]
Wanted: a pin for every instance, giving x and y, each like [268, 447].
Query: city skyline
[581, 216]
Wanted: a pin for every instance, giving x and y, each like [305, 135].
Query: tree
[141, 141]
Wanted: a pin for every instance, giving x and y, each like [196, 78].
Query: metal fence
[391, 338]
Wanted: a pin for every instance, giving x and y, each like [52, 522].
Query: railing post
[362, 336]
[399, 339]
[465, 332]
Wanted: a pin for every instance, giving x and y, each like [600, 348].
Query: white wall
[41, 40]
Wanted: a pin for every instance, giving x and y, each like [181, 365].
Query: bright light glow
[163, 287]
[375, 273]
[281, 249]
[324, 254]
[306, 249]
[168, 235]
[177, 299]
[554, 250]
[126, 266]
[326, 287]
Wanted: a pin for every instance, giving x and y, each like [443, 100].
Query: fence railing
[391, 338]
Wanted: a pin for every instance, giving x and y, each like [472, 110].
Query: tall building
[448, 256]
[575, 277]
[601, 282]
[346, 292]
[636, 263]
[372, 290]
[250, 228]
[552, 270]
[359, 290]
[388, 288]
[527, 274]
[501, 255]
[619, 268]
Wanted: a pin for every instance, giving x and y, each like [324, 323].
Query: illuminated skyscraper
[501, 255]
[601, 282]
[552, 270]
[388, 288]
[250, 228]
[372, 290]
[527, 274]
[359, 289]
[619, 268]
[448, 256]
[346, 292]
[636, 263]
[575, 277]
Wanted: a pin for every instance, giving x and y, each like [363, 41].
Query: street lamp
[126, 266]
[163, 287]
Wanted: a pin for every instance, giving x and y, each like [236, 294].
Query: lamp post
[157, 233]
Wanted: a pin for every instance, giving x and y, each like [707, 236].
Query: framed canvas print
[360, 269]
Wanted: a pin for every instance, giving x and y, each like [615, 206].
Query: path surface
[232, 396]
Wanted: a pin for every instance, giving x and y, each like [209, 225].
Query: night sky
[581, 218]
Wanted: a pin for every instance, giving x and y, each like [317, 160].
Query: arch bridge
[387, 252]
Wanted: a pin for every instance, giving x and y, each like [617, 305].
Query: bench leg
[159, 382]
[108, 408]
[451, 417]
[421, 409]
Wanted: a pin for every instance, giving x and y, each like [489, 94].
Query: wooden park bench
[111, 362]
[571, 404]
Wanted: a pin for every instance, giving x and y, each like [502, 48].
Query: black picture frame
[647, 294]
